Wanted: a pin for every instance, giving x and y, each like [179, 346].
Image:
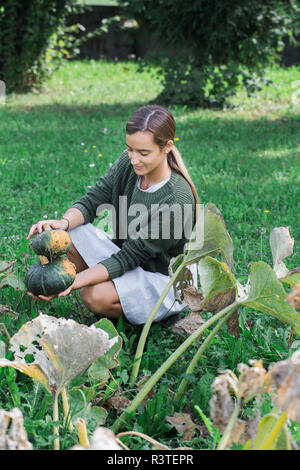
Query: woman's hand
[39, 226]
[50, 297]
[88, 277]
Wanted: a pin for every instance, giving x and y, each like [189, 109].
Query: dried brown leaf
[118, 402]
[183, 423]
[222, 403]
[12, 432]
[233, 325]
[285, 375]
[251, 380]
[187, 325]
[219, 301]
[193, 297]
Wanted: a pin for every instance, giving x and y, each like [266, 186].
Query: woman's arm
[74, 217]
[88, 277]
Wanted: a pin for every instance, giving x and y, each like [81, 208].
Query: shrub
[25, 30]
[213, 46]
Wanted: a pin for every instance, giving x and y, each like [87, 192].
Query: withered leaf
[190, 323]
[13, 435]
[281, 245]
[183, 423]
[285, 375]
[193, 298]
[118, 402]
[218, 284]
[233, 325]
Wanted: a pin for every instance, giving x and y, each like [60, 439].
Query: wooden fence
[132, 42]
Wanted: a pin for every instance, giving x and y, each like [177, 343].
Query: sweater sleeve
[135, 251]
[101, 192]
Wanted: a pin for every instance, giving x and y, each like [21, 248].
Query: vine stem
[197, 356]
[230, 425]
[275, 432]
[82, 433]
[146, 328]
[56, 445]
[166, 365]
[66, 408]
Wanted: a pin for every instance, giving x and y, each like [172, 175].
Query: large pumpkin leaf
[218, 284]
[268, 295]
[99, 370]
[59, 349]
[209, 237]
[291, 278]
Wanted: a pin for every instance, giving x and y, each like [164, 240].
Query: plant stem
[230, 425]
[145, 331]
[166, 365]
[82, 433]
[275, 432]
[55, 419]
[197, 356]
[66, 408]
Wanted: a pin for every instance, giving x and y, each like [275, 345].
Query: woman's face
[145, 155]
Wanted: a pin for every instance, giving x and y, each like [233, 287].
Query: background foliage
[25, 31]
[213, 47]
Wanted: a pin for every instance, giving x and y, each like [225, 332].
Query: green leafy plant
[53, 352]
[263, 292]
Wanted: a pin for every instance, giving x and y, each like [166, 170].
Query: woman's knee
[93, 300]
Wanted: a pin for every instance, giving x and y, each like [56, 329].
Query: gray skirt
[138, 290]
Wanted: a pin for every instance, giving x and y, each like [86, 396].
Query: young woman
[153, 199]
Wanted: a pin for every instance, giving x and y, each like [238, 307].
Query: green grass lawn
[245, 159]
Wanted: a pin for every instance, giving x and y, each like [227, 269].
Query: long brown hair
[160, 122]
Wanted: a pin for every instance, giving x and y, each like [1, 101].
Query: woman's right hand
[39, 226]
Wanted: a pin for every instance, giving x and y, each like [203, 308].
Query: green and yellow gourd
[54, 272]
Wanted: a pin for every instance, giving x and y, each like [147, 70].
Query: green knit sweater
[150, 228]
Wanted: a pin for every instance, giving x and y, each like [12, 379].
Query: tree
[217, 44]
[26, 29]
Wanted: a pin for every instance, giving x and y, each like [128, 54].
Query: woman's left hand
[50, 297]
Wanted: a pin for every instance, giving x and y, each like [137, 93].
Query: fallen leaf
[187, 325]
[118, 402]
[183, 423]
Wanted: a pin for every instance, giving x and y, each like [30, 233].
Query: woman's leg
[102, 299]
[77, 259]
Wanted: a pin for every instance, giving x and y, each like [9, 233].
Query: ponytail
[175, 161]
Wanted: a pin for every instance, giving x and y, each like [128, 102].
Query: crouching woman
[125, 275]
